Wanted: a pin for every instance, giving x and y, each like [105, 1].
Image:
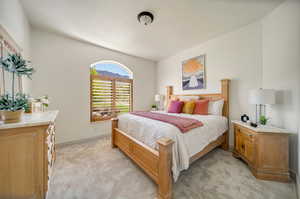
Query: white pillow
[187, 98]
[215, 107]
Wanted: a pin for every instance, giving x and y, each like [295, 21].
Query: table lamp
[261, 97]
[158, 99]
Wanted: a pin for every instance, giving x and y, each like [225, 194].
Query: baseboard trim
[295, 178]
[81, 141]
[293, 175]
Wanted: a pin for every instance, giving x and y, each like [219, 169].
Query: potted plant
[153, 107]
[263, 120]
[12, 105]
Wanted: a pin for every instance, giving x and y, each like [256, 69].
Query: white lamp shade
[157, 97]
[262, 96]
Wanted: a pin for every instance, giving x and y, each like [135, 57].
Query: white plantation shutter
[123, 96]
[109, 96]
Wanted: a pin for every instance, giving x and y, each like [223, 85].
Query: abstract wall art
[193, 73]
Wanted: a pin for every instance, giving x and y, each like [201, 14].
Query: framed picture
[193, 73]
[8, 46]
[2, 82]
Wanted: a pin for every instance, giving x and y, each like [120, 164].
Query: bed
[161, 150]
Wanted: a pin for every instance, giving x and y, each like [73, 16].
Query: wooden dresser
[265, 149]
[27, 154]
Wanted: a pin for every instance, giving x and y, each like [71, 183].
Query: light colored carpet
[93, 170]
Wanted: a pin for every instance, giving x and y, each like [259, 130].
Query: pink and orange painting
[193, 73]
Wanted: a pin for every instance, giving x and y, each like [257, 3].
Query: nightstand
[265, 149]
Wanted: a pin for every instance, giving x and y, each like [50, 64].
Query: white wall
[63, 73]
[281, 68]
[235, 55]
[14, 20]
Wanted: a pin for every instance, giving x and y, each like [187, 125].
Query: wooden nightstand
[265, 149]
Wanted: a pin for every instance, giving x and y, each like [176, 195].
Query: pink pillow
[175, 106]
[201, 107]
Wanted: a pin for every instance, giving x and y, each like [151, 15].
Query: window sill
[98, 120]
[101, 120]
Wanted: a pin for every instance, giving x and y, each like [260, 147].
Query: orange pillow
[188, 107]
[201, 107]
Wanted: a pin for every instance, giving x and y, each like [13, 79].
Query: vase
[11, 116]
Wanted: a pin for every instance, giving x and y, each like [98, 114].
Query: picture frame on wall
[2, 82]
[193, 73]
[8, 46]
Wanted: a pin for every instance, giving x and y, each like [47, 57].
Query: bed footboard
[157, 164]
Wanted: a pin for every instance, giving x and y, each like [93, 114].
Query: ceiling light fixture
[145, 18]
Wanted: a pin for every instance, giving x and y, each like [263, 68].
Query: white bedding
[186, 144]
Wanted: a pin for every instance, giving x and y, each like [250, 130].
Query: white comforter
[186, 144]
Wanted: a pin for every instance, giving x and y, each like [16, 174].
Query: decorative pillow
[188, 98]
[168, 102]
[188, 107]
[201, 107]
[215, 107]
[175, 106]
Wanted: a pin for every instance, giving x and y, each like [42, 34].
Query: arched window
[111, 90]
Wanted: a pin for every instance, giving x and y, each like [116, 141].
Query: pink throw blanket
[183, 124]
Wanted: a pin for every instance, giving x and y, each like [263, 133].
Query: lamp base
[260, 112]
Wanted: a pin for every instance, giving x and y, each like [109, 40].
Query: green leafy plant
[15, 64]
[9, 103]
[263, 120]
[153, 106]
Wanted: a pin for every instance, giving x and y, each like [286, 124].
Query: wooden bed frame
[158, 163]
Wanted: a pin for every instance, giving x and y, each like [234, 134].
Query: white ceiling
[178, 24]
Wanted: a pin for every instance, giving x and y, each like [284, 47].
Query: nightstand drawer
[247, 134]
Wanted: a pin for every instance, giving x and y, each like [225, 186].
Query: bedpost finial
[169, 90]
[225, 80]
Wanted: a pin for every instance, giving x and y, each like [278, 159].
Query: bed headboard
[225, 83]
